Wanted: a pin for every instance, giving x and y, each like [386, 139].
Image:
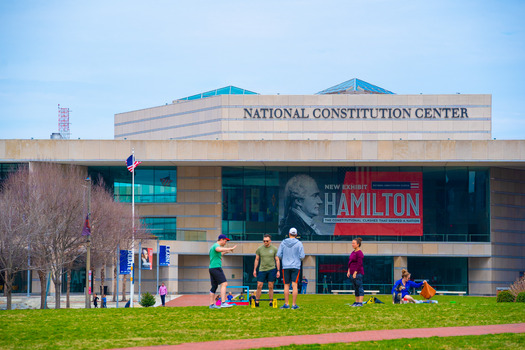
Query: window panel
[164, 228]
[152, 184]
[455, 202]
[441, 273]
[332, 270]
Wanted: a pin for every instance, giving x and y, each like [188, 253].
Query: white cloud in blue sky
[104, 57]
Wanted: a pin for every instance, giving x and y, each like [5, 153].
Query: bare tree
[14, 234]
[58, 195]
[44, 208]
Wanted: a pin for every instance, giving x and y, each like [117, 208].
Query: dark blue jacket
[404, 290]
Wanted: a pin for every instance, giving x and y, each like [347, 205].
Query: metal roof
[227, 90]
[354, 86]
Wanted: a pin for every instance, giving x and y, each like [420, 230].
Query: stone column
[400, 263]
[170, 275]
[309, 271]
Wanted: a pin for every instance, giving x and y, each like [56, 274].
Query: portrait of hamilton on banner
[302, 205]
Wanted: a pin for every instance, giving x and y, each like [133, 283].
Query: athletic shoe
[353, 305]
[271, 304]
[226, 305]
[256, 304]
[213, 306]
[285, 306]
[359, 304]
[295, 307]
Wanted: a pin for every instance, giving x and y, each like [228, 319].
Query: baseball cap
[293, 231]
[223, 237]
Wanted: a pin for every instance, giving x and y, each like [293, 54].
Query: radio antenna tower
[63, 123]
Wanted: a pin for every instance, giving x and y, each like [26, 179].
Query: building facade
[418, 177]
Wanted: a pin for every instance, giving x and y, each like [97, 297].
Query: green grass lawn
[109, 328]
[489, 341]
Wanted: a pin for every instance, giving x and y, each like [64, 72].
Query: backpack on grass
[373, 300]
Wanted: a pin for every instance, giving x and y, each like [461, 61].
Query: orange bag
[427, 292]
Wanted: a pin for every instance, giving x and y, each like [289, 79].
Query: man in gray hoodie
[291, 253]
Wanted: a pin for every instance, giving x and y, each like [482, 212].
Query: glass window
[421, 204]
[164, 228]
[251, 282]
[78, 280]
[441, 273]
[332, 270]
[152, 184]
[8, 168]
[250, 202]
[19, 284]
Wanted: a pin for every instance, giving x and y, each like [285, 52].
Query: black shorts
[267, 276]
[216, 277]
[290, 275]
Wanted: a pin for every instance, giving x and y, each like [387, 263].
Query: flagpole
[88, 248]
[118, 271]
[132, 287]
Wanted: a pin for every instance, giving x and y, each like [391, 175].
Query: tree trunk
[43, 280]
[68, 287]
[8, 285]
[102, 278]
[57, 280]
[124, 288]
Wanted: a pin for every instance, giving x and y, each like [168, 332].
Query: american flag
[166, 181]
[132, 164]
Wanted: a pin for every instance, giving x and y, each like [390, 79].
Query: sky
[99, 58]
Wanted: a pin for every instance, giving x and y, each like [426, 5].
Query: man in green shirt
[269, 268]
[217, 276]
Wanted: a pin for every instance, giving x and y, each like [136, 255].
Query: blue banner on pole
[126, 259]
[164, 255]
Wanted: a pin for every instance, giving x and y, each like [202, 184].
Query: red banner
[380, 203]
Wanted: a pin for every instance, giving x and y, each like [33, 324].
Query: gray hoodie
[291, 252]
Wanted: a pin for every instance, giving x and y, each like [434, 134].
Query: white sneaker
[226, 305]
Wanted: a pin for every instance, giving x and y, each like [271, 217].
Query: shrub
[505, 297]
[147, 300]
[520, 298]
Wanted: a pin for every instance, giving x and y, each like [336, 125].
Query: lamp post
[88, 248]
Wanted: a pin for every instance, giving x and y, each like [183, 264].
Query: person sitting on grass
[401, 289]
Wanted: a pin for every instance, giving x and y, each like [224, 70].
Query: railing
[238, 234]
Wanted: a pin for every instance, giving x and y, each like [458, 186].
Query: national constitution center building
[418, 177]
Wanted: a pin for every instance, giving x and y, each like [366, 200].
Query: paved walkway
[190, 300]
[349, 337]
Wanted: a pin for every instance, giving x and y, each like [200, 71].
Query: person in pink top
[356, 271]
[162, 292]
